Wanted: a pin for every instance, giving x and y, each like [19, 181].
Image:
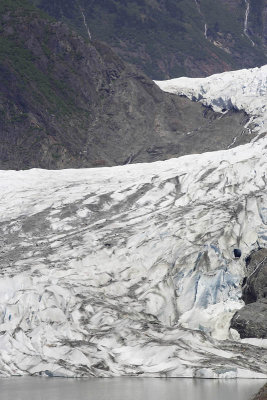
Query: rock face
[255, 287]
[68, 102]
[170, 38]
[251, 320]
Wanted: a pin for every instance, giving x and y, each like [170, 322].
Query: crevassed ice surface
[130, 270]
[241, 90]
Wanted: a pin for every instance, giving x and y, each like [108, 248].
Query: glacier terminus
[130, 270]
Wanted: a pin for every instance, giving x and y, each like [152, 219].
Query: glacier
[130, 270]
[244, 90]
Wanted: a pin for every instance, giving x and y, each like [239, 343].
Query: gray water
[33, 388]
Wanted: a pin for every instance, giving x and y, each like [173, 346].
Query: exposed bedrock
[251, 320]
[255, 286]
[262, 394]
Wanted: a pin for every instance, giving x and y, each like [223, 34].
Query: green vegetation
[23, 63]
[25, 66]
[257, 16]
[14, 5]
[41, 87]
[22, 7]
[162, 37]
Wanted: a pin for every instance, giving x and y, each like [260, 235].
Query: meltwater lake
[33, 388]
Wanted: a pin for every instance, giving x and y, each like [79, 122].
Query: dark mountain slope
[170, 38]
[68, 102]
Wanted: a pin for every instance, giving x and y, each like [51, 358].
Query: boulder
[251, 321]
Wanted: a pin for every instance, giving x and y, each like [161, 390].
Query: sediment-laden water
[31, 388]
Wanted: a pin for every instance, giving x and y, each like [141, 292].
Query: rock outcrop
[251, 320]
[255, 285]
[262, 394]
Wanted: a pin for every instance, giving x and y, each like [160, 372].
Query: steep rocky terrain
[69, 102]
[170, 38]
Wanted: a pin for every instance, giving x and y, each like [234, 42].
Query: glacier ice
[241, 90]
[130, 270]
